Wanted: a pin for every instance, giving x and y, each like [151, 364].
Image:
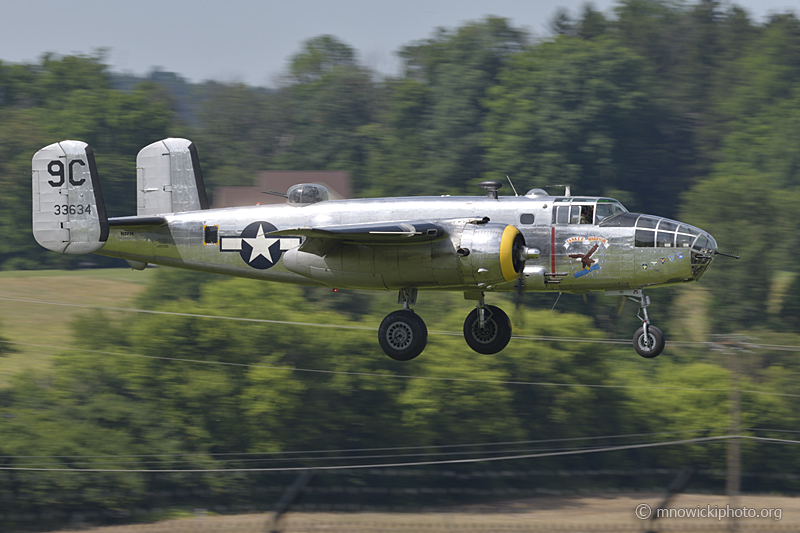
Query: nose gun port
[704, 250]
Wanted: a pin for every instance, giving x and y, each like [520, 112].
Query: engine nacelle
[472, 255]
[490, 254]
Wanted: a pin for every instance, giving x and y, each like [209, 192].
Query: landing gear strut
[648, 341]
[403, 335]
[487, 328]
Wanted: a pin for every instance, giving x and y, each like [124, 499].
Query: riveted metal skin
[168, 178]
[68, 212]
[470, 243]
[429, 264]
[474, 245]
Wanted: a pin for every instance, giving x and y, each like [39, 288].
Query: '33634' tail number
[64, 209]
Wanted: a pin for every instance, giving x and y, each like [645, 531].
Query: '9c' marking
[56, 168]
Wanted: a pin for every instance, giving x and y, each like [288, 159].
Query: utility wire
[588, 340]
[418, 463]
[324, 458]
[349, 450]
[400, 376]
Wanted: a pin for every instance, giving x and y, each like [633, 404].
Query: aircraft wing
[321, 240]
[380, 233]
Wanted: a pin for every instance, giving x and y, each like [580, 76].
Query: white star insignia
[260, 245]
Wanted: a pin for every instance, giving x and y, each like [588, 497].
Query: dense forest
[685, 111]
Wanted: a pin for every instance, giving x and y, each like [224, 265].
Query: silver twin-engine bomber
[474, 245]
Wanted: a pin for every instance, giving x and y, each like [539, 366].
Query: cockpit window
[701, 243]
[561, 214]
[587, 214]
[645, 238]
[574, 214]
[665, 239]
[647, 222]
[585, 210]
[667, 225]
[621, 220]
[684, 241]
[565, 214]
[607, 208]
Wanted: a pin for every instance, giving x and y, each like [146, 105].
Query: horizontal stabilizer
[168, 178]
[68, 212]
[124, 222]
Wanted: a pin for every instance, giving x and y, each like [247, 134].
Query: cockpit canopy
[658, 232]
[306, 194]
[574, 210]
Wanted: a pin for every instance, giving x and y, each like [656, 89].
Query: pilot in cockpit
[587, 214]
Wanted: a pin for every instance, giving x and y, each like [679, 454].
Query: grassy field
[606, 513]
[43, 324]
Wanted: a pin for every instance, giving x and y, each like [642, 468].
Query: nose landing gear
[648, 341]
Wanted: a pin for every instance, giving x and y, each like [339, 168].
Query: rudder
[168, 178]
[69, 215]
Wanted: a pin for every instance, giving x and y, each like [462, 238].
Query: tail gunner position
[468, 244]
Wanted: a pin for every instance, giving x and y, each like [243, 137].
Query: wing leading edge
[321, 240]
[382, 233]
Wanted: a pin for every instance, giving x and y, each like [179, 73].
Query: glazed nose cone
[704, 249]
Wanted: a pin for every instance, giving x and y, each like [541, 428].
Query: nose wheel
[648, 344]
[648, 341]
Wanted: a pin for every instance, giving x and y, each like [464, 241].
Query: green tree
[70, 98]
[579, 112]
[330, 97]
[242, 130]
[592, 23]
[455, 69]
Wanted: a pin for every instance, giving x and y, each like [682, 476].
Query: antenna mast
[512, 185]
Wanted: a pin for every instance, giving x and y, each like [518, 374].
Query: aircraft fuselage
[620, 261]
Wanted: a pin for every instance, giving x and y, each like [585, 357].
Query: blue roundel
[259, 250]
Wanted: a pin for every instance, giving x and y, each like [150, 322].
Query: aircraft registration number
[64, 209]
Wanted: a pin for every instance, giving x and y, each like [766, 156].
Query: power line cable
[325, 458]
[347, 450]
[588, 340]
[401, 376]
[417, 463]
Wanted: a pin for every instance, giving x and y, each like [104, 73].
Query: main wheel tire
[654, 345]
[402, 335]
[493, 336]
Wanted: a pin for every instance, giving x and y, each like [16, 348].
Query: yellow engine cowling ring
[490, 254]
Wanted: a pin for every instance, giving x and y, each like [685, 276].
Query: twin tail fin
[69, 214]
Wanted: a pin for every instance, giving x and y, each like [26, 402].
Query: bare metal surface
[428, 265]
[62, 192]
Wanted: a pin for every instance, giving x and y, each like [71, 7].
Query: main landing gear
[648, 341]
[403, 335]
[487, 328]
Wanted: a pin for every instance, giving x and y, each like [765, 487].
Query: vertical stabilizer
[168, 178]
[68, 212]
